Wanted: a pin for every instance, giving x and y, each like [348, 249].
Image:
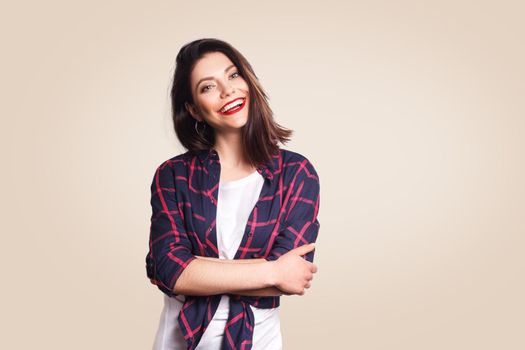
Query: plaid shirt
[184, 194]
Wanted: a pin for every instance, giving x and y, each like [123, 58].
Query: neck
[230, 150]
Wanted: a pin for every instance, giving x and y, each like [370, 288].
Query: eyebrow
[210, 78]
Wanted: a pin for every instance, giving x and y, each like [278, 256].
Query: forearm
[210, 276]
[232, 261]
[258, 292]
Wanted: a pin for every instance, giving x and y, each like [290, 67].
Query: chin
[240, 124]
[235, 121]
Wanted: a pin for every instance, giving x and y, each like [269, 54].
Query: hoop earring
[197, 128]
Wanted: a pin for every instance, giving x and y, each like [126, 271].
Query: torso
[236, 173]
[236, 198]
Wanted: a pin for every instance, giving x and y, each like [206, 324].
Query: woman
[233, 216]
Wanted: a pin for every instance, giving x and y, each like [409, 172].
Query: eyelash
[205, 86]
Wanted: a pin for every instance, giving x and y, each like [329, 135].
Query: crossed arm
[217, 265]
[172, 266]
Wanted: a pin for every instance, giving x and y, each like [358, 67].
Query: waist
[261, 315]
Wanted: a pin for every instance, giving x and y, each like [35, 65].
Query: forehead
[210, 65]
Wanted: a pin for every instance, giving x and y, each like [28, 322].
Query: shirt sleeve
[300, 224]
[170, 250]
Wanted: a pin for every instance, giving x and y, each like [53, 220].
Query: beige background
[411, 111]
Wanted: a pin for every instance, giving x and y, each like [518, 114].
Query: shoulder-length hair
[260, 135]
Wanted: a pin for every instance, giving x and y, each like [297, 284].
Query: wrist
[271, 274]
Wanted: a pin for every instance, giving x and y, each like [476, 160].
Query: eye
[205, 88]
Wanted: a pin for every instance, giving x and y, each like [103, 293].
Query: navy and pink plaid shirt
[184, 194]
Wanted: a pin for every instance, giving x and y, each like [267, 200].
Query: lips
[227, 103]
[235, 109]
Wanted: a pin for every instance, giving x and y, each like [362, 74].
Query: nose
[227, 90]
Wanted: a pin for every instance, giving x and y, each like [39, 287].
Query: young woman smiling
[234, 218]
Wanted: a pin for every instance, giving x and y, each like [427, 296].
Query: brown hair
[260, 135]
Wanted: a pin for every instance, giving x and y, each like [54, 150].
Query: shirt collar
[266, 170]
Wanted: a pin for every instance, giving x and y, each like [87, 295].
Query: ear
[192, 110]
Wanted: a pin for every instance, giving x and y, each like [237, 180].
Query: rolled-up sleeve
[300, 225]
[170, 250]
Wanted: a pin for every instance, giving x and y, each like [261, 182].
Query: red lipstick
[235, 109]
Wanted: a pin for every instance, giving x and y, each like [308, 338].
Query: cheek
[245, 91]
[206, 103]
[244, 85]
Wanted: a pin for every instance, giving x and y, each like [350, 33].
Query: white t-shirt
[234, 205]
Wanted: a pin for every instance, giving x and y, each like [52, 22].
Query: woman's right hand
[293, 272]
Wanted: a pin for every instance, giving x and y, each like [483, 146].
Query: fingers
[302, 250]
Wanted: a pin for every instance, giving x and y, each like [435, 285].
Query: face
[215, 83]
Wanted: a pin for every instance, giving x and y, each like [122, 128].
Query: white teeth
[232, 105]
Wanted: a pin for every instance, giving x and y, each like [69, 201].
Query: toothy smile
[232, 105]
